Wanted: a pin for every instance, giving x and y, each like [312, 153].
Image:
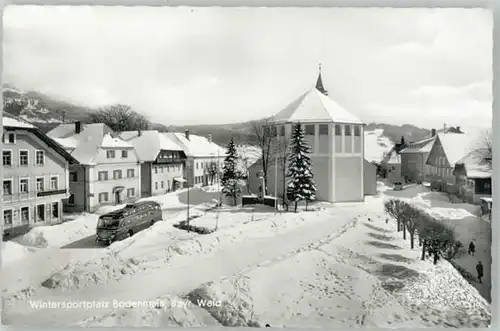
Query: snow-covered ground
[336, 265]
[463, 218]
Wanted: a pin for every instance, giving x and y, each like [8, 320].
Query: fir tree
[301, 183]
[230, 176]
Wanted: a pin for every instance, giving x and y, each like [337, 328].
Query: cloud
[212, 65]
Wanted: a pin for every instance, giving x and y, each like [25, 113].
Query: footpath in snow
[464, 220]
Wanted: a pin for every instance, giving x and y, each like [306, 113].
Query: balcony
[31, 195]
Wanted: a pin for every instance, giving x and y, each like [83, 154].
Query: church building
[336, 138]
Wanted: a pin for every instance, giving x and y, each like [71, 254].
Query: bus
[127, 221]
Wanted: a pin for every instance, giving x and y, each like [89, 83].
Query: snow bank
[166, 311]
[79, 275]
[12, 251]
[60, 234]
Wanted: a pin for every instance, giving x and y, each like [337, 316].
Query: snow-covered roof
[474, 164]
[196, 146]
[421, 146]
[109, 142]
[315, 107]
[12, 121]
[150, 142]
[376, 145]
[458, 145]
[86, 143]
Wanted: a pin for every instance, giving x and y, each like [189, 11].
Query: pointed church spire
[319, 82]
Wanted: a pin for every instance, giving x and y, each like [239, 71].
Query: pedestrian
[472, 248]
[479, 269]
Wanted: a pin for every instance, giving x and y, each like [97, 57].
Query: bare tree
[484, 148]
[264, 135]
[119, 118]
[282, 153]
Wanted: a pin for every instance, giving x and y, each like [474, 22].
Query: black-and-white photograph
[246, 167]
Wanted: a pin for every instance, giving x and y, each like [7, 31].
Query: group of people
[479, 265]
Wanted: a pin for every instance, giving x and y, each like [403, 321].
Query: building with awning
[336, 138]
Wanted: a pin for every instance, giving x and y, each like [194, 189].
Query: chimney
[139, 133]
[445, 128]
[433, 132]
[209, 138]
[186, 133]
[78, 127]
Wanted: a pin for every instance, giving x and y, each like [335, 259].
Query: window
[55, 210]
[323, 129]
[338, 130]
[71, 200]
[357, 131]
[54, 183]
[23, 185]
[162, 170]
[130, 192]
[156, 185]
[130, 173]
[9, 138]
[103, 175]
[39, 184]
[7, 217]
[309, 128]
[40, 157]
[40, 213]
[117, 174]
[7, 158]
[103, 197]
[347, 130]
[282, 131]
[7, 187]
[73, 176]
[196, 165]
[156, 170]
[23, 158]
[168, 168]
[110, 154]
[124, 154]
[25, 215]
[162, 184]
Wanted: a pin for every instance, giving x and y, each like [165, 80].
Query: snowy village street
[337, 264]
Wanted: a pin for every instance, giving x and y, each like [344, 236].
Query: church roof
[315, 107]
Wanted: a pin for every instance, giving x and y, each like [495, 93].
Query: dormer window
[9, 138]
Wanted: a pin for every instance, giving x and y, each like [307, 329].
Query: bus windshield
[108, 222]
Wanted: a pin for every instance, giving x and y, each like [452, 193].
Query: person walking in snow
[479, 269]
[472, 248]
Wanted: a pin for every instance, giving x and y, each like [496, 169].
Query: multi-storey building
[204, 157]
[162, 161]
[108, 172]
[35, 176]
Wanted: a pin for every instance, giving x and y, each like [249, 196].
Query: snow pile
[166, 311]
[60, 234]
[79, 275]
[376, 145]
[12, 251]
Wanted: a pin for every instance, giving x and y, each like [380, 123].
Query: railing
[31, 195]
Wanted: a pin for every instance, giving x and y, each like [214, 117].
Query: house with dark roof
[336, 138]
[108, 170]
[35, 176]
[162, 161]
[414, 158]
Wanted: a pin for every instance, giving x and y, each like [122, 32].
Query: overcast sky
[217, 65]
